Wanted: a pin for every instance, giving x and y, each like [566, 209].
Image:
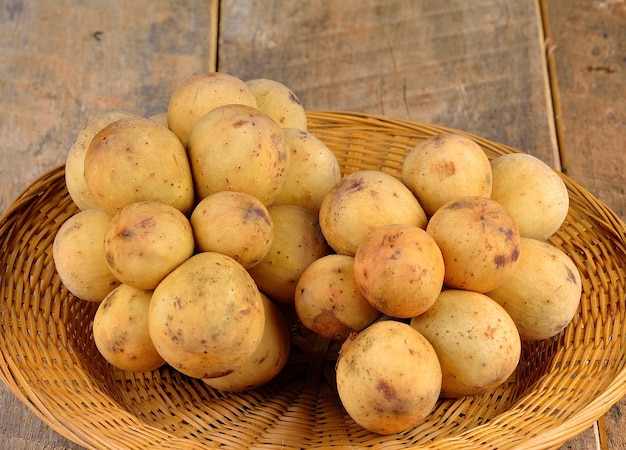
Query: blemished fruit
[75, 162]
[267, 360]
[388, 377]
[199, 94]
[79, 255]
[479, 241]
[328, 300]
[235, 224]
[221, 234]
[279, 102]
[120, 330]
[206, 317]
[298, 241]
[238, 148]
[400, 270]
[363, 201]
[313, 171]
[446, 167]
[543, 292]
[533, 192]
[145, 241]
[476, 341]
[136, 159]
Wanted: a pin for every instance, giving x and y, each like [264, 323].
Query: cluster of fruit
[199, 228]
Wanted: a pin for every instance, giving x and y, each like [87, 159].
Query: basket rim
[43, 407]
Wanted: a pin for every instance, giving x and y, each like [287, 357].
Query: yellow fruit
[206, 318]
[475, 339]
[388, 377]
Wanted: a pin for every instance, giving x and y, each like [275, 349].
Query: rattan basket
[48, 358]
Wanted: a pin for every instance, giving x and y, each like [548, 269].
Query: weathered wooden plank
[588, 43]
[66, 61]
[575, 34]
[476, 66]
[63, 62]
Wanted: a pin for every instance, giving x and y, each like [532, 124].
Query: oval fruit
[475, 339]
[145, 241]
[120, 330]
[388, 377]
[267, 360]
[400, 270]
[446, 167]
[363, 201]
[479, 241]
[543, 292]
[136, 159]
[298, 241]
[79, 255]
[533, 192]
[235, 224]
[75, 162]
[206, 318]
[279, 102]
[313, 171]
[238, 148]
[328, 300]
[201, 93]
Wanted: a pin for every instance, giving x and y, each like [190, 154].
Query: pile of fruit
[201, 229]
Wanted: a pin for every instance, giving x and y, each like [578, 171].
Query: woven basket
[49, 360]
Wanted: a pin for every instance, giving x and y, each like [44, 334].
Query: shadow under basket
[50, 362]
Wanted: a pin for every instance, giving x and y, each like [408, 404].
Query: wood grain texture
[589, 48]
[476, 66]
[64, 62]
[587, 41]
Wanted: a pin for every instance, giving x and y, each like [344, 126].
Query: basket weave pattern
[49, 360]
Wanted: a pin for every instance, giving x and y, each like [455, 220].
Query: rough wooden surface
[587, 47]
[478, 66]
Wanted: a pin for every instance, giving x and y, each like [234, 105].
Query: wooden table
[544, 76]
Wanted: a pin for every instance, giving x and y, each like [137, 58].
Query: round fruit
[75, 163]
[298, 241]
[388, 377]
[533, 192]
[201, 93]
[444, 168]
[120, 330]
[206, 318]
[268, 359]
[479, 241]
[79, 255]
[238, 148]
[136, 159]
[400, 270]
[313, 171]
[476, 341]
[328, 300]
[363, 201]
[235, 224]
[145, 241]
[279, 102]
[543, 292]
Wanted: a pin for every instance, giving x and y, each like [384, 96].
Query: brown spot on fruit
[386, 389]
[444, 169]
